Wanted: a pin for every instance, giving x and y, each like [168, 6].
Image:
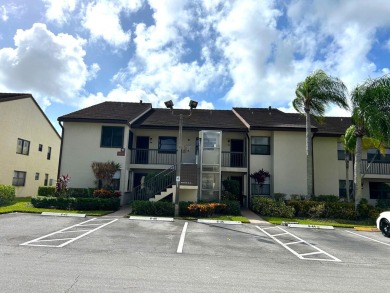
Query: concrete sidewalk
[253, 218]
[122, 212]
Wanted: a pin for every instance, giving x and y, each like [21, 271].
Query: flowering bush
[104, 193]
[204, 209]
[62, 185]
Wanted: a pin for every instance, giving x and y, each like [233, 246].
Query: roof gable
[109, 112]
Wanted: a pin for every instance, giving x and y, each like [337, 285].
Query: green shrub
[79, 192]
[340, 210]
[46, 191]
[279, 196]
[302, 207]
[383, 204]
[7, 194]
[183, 208]
[266, 206]
[63, 203]
[149, 208]
[326, 198]
[104, 193]
[297, 196]
[231, 208]
[364, 209]
[226, 195]
[232, 186]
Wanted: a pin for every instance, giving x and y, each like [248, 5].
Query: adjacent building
[29, 144]
[215, 145]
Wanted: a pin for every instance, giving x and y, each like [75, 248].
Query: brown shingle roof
[274, 119]
[4, 97]
[199, 119]
[109, 112]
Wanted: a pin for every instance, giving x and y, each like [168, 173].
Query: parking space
[128, 237]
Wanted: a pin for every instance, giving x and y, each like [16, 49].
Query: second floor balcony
[158, 157]
[375, 168]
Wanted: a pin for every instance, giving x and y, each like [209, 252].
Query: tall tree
[312, 96]
[371, 117]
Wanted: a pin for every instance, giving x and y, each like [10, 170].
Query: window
[260, 145]
[377, 156]
[19, 178]
[380, 190]
[167, 144]
[36, 176]
[343, 190]
[23, 147]
[112, 137]
[341, 151]
[40, 147]
[130, 143]
[45, 183]
[48, 153]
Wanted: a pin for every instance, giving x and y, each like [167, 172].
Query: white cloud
[3, 13]
[59, 11]
[102, 19]
[55, 76]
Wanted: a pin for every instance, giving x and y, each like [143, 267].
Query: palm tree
[371, 117]
[349, 142]
[313, 95]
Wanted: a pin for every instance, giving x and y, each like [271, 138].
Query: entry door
[142, 153]
[237, 153]
[239, 179]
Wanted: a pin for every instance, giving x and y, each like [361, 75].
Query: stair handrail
[154, 185]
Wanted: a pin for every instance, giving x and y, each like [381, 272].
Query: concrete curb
[160, 219]
[367, 229]
[63, 214]
[219, 222]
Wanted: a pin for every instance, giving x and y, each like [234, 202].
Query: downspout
[249, 171]
[312, 162]
[62, 141]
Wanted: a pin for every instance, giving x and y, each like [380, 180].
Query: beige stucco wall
[22, 119]
[81, 147]
[289, 162]
[326, 166]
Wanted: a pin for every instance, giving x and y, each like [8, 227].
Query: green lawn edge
[326, 222]
[23, 205]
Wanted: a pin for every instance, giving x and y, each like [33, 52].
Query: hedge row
[266, 206]
[227, 207]
[74, 203]
[72, 192]
[150, 208]
[7, 194]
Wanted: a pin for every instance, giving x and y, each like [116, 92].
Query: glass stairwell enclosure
[210, 165]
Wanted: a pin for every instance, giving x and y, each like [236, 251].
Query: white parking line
[35, 242]
[369, 238]
[299, 240]
[182, 236]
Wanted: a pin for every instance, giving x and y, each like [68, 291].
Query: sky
[71, 54]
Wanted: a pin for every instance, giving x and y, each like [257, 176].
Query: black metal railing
[377, 168]
[234, 159]
[155, 185]
[152, 156]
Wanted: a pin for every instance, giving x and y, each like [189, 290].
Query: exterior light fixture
[169, 104]
[193, 104]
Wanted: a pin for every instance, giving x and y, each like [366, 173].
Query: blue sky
[71, 54]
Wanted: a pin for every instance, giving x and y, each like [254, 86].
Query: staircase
[157, 187]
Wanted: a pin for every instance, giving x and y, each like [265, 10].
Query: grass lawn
[23, 205]
[326, 222]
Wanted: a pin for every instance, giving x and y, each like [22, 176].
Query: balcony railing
[377, 168]
[152, 156]
[234, 159]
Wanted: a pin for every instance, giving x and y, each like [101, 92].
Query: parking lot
[112, 250]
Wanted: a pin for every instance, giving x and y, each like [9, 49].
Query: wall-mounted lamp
[169, 104]
[193, 104]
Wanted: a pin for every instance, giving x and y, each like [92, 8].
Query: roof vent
[140, 101]
[269, 108]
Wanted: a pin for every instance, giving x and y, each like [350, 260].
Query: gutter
[62, 141]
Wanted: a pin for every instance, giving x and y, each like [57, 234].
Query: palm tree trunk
[309, 154]
[347, 174]
[357, 175]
